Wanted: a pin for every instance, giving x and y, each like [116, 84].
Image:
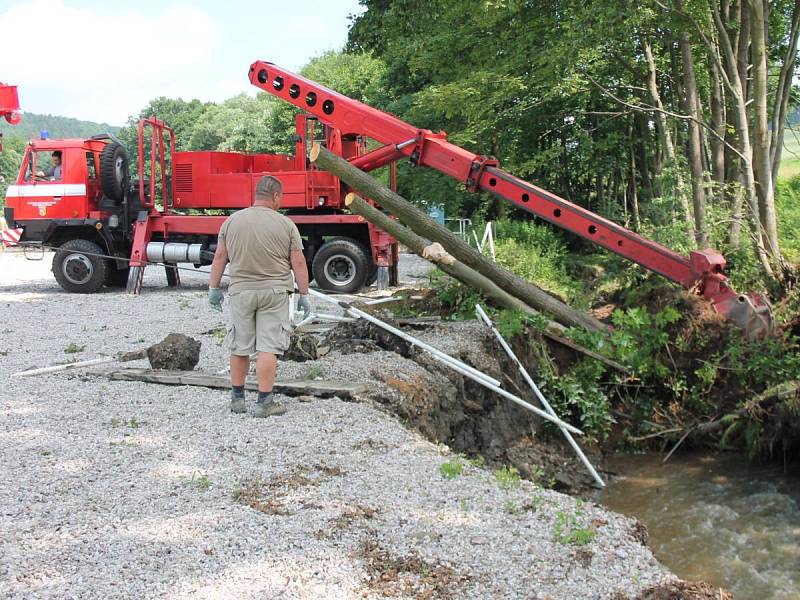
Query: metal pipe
[419, 343]
[453, 363]
[337, 318]
[65, 367]
[526, 376]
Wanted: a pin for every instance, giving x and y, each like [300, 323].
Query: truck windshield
[46, 164]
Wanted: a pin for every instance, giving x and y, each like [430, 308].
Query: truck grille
[183, 178]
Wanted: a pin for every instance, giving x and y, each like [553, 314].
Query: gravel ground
[133, 490]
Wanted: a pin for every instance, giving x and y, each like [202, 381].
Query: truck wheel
[341, 265]
[114, 171]
[78, 267]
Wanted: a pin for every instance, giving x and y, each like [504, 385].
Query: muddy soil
[176, 352]
[681, 590]
[451, 409]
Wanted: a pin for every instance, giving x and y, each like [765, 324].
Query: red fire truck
[93, 212]
[89, 210]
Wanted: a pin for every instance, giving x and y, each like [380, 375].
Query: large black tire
[114, 171]
[78, 266]
[341, 265]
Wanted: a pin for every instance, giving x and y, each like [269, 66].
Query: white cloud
[105, 64]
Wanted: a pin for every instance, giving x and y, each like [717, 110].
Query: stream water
[717, 519]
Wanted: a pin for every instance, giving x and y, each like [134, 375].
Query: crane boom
[701, 271]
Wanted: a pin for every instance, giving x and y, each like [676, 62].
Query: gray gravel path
[132, 490]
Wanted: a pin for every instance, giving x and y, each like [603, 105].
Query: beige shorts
[259, 322]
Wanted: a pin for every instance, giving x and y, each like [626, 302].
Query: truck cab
[70, 194]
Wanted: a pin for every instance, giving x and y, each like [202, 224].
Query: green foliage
[508, 477]
[199, 481]
[10, 163]
[787, 201]
[451, 469]
[566, 529]
[57, 127]
[73, 348]
[457, 300]
[578, 395]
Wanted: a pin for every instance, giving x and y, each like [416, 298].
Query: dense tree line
[33, 124]
[666, 114]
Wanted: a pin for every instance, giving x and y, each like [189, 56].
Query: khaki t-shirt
[259, 242]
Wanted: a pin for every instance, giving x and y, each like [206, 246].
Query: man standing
[262, 247]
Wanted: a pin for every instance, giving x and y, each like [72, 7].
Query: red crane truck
[146, 231]
[90, 210]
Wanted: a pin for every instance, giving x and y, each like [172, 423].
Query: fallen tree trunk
[424, 226]
[445, 262]
[463, 273]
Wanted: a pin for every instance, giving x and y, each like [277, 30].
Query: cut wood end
[349, 198]
[313, 155]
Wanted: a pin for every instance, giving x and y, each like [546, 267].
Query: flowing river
[717, 519]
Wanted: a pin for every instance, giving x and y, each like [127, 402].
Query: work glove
[215, 298]
[304, 305]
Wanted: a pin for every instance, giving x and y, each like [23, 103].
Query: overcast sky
[103, 61]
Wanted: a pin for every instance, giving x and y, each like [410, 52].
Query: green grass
[790, 158]
[787, 198]
[199, 481]
[451, 469]
[507, 477]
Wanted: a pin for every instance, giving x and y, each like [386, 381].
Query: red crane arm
[702, 270]
[9, 103]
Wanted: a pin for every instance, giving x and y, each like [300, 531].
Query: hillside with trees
[57, 127]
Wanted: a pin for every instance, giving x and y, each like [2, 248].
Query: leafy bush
[451, 469]
[539, 254]
[508, 477]
[787, 204]
[454, 297]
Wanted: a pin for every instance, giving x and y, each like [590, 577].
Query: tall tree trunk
[694, 142]
[634, 195]
[743, 48]
[666, 142]
[781, 103]
[736, 88]
[647, 167]
[762, 166]
[718, 121]
[737, 202]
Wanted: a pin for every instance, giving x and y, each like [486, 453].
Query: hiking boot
[268, 409]
[238, 405]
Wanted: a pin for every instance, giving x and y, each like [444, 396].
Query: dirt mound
[449, 408]
[361, 336]
[176, 352]
[302, 347]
